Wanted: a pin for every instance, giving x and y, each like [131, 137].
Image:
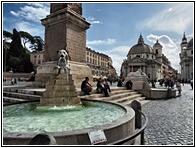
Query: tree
[16, 49]
[7, 35]
[38, 44]
[26, 37]
[15, 64]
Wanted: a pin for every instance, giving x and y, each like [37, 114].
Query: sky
[115, 26]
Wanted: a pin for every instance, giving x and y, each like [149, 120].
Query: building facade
[186, 59]
[100, 64]
[37, 58]
[149, 59]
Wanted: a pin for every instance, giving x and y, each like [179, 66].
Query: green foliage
[16, 48]
[15, 64]
[7, 35]
[26, 37]
[38, 44]
[17, 56]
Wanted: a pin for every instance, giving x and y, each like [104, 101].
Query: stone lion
[63, 62]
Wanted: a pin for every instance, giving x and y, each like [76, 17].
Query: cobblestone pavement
[170, 121]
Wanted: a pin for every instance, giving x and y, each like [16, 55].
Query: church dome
[190, 43]
[141, 47]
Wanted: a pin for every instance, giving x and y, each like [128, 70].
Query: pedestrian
[99, 86]
[15, 82]
[12, 81]
[119, 83]
[178, 86]
[129, 84]
[191, 84]
[106, 87]
[153, 85]
[86, 87]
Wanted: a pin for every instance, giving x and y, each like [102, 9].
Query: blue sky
[115, 26]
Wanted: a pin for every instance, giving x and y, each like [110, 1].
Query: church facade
[186, 59]
[149, 59]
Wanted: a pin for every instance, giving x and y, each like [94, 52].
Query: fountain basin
[119, 127]
[158, 93]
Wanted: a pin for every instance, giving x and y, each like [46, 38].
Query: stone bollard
[136, 105]
[43, 139]
[169, 93]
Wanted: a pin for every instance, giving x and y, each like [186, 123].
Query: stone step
[11, 99]
[124, 99]
[140, 99]
[21, 96]
[119, 96]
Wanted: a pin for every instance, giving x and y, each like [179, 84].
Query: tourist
[86, 86]
[99, 86]
[119, 83]
[15, 82]
[129, 84]
[178, 86]
[106, 87]
[153, 84]
[191, 83]
[12, 81]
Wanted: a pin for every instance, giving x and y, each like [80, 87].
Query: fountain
[60, 90]
[62, 115]
[141, 85]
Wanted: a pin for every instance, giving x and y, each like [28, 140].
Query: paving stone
[170, 121]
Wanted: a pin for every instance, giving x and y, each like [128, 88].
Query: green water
[29, 117]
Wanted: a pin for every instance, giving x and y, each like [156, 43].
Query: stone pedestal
[60, 91]
[65, 29]
[78, 71]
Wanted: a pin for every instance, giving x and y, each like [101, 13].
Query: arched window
[157, 52]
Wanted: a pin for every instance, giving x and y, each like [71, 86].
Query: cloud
[33, 29]
[101, 42]
[118, 54]
[170, 49]
[92, 20]
[15, 14]
[32, 12]
[174, 18]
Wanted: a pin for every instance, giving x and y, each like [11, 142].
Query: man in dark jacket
[86, 86]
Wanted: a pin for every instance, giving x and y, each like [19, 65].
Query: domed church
[149, 59]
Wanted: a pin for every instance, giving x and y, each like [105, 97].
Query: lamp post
[5, 49]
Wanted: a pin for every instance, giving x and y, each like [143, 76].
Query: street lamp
[5, 49]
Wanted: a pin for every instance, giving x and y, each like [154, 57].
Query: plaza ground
[170, 121]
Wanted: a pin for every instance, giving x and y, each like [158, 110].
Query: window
[35, 56]
[157, 52]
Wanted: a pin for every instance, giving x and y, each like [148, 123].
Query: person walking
[178, 86]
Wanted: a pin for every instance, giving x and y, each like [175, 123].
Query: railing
[138, 132]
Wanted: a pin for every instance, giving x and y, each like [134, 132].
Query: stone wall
[17, 75]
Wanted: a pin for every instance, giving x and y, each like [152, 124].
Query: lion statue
[62, 62]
